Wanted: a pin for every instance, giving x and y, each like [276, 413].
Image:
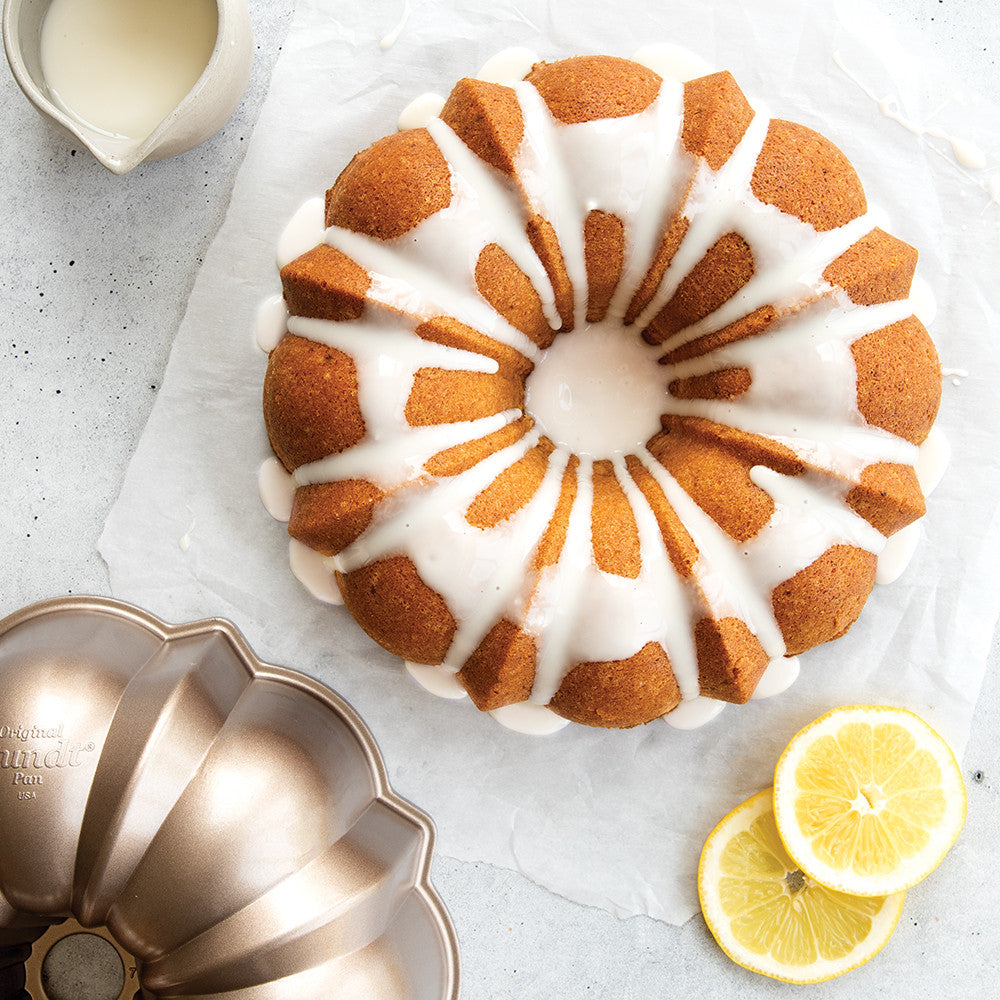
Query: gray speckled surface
[96, 271]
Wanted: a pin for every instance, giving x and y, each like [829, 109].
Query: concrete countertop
[95, 276]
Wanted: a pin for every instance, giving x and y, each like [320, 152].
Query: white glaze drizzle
[272, 322]
[932, 460]
[573, 610]
[425, 520]
[311, 570]
[694, 713]
[502, 213]
[394, 461]
[303, 231]
[661, 602]
[502, 566]
[923, 300]
[709, 207]
[965, 152]
[529, 719]
[508, 66]
[723, 573]
[438, 680]
[420, 111]
[431, 271]
[276, 488]
[897, 554]
[392, 36]
[778, 676]
[559, 589]
[672, 62]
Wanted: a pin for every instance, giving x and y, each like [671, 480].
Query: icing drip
[303, 232]
[664, 604]
[276, 488]
[438, 680]
[672, 62]
[964, 152]
[508, 67]
[572, 609]
[272, 321]
[529, 719]
[503, 593]
[694, 713]
[779, 676]
[392, 36]
[420, 111]
[501, 213]
[310, 569]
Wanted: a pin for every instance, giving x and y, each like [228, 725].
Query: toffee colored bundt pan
[797, 386]
[227, 824]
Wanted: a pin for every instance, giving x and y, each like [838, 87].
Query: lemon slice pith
[771, 918]
[868, 799]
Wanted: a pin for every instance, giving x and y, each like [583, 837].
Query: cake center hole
[598, 390]
[82, 967]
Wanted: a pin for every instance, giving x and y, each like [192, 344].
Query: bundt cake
[226, 824]
[601, 390]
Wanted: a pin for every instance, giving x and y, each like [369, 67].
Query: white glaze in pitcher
[199, 113]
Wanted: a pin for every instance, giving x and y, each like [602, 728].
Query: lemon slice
[868, 799]
[771, 918]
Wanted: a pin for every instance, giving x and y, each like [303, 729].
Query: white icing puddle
[579, 384]
[437, 680]
[529, 719]
[276, 488]
[311, 570]
[694, 714]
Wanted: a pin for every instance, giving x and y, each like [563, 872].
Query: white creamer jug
[134, 80]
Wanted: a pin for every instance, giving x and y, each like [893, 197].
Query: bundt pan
[225, 826]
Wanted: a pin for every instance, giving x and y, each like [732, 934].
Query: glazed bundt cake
[602, 390]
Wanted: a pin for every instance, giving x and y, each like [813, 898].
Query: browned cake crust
[502, 668]
[822, 601]
[731, 659]
[878, 268]
[305, 420]
[323, 283]
[388, 598]
[585, 88]
[604, 255]
[621, 693]
[329, 516]
[716, 278]
[487, 118]
[507, 288]
[391, 187]
[804, 174]
[899, 379]
[313, 409]
[716, 117]
[713, 462]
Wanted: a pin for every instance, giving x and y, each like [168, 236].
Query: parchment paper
[611, 819]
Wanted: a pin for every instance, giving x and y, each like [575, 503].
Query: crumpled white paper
[612, 819]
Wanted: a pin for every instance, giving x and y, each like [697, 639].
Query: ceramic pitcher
[200, 113]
